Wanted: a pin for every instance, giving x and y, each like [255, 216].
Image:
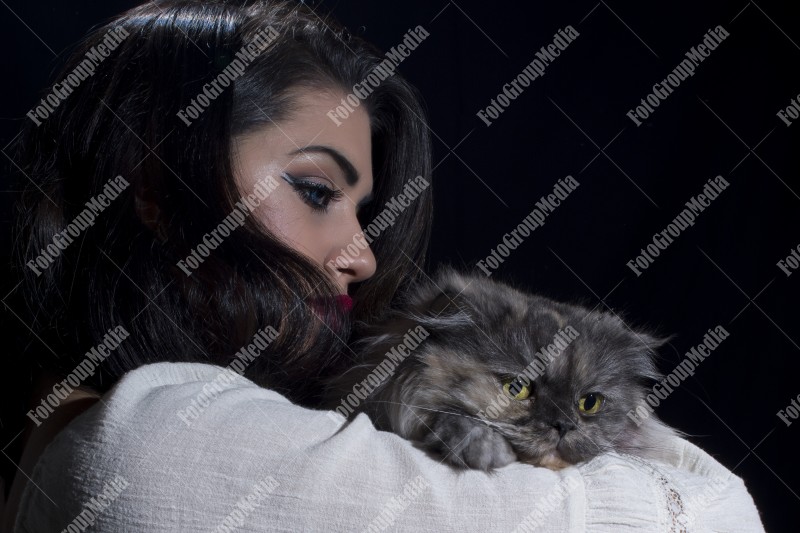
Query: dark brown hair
[122, 121]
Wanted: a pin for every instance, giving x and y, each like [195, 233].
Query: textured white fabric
[253, 461]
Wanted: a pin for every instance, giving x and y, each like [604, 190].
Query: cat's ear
[634, 338]
[487, 300]
[646, 347]
[437, 300]
[650, 342]
[458, 296]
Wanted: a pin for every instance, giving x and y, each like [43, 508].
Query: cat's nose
[562, 426]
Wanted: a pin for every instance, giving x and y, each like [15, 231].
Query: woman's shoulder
[167, 439]
[184, 396]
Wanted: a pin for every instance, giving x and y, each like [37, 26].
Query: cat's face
[555, 380]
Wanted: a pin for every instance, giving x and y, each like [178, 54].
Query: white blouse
[188, 447]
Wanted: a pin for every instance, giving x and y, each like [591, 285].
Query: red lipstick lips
[344, 302]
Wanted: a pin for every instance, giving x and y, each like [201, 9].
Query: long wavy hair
[122, 121]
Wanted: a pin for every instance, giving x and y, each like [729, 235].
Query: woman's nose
[351, 260]
[358, 268]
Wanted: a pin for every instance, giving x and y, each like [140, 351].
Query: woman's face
[324, 176]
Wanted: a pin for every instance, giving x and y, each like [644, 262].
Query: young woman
[191, 246]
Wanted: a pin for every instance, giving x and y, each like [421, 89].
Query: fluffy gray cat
[481, 375]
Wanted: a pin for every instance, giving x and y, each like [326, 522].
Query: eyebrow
[350, 173]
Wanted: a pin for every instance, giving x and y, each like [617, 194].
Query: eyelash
[306, 189]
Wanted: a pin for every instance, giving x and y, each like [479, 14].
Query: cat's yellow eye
[591, 403]
[517, 390]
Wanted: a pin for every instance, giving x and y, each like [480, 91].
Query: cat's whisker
[455, 413]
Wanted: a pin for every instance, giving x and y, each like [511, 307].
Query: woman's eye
[517, 390]
[316, 195]
[591, 403]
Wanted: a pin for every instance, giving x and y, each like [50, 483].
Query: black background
[633, 181]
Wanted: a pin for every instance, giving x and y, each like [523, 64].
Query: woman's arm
[179, 446]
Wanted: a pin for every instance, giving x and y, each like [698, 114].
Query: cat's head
[558, 381]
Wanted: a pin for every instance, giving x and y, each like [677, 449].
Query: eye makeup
[317, 196]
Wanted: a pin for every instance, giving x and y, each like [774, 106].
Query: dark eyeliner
[307, 190]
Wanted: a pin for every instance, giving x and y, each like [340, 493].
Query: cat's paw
[467, 443]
